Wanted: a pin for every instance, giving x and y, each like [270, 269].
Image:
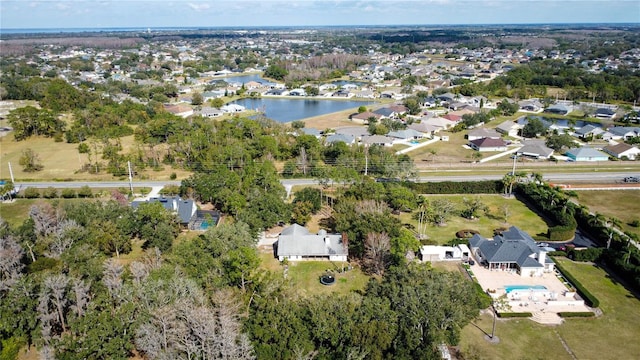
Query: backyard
[610, 336]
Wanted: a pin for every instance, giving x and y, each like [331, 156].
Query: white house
[488, 144]
[622, 150]
[509, 128]
[232, 108]
[449, 253]
[296, 243]
[513, 250]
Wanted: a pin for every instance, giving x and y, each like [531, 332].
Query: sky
[23, 14]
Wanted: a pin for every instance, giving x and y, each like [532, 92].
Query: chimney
[542, 256]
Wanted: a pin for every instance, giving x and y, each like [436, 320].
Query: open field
[610, 336]
[621, 204]
[62, 160]
[519, 215]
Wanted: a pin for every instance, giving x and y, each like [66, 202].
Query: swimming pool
[510, 288]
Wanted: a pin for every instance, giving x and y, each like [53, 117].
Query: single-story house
[447, 97]
[513, 250]
[296, 243]
[297, 92]
[378, 140]
[385, 112]
[535, 149]
[356, 131]
[459, 252]
[438, 122]
[559, 109]
[428, 102]
[365, 116]
[605, 113]
[311, 131]
[345, 138]
[623, 132]
[622, 150]
[424, 128]
[488, 144]
[509, 128]
[455, 119]
[180, 110]
[481, 133]
[232, 108]
[211, 112]
[588, 132]
[531, 105]
[406, 134]
[586, 153]
[342, 93]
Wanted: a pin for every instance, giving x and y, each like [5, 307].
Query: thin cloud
[199, 7]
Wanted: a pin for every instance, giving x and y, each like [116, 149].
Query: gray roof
[345, 138]
[513, 246]
[377, 139]
[507, 126]
[624, 130]
[185, 209]
[384, 112]
[537, 148]
[311, 131]
[296, 240]
[587, 129]
[356, 131]
[405, 134]
[484, 132]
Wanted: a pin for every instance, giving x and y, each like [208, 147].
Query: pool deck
[535, 302]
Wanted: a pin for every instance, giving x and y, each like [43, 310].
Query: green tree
[560, 142]
[29, 121]
[30, 161]
[533, 128]
[276, 72]
[197, 99]
[156, 226]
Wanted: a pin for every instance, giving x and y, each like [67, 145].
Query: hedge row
[588, 297]
[52, 193]
[560, 212]
[515, 315]
[451, 187]
[576, 314]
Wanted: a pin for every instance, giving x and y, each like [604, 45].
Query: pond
[287, 110]
[243, 79]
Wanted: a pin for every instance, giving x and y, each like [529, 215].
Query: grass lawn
[304, 276]
[520, 216]
[610, 336]
[621, 204]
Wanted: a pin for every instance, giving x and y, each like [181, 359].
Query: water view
[287, 110]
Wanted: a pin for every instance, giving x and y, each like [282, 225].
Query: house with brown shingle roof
[622, 150]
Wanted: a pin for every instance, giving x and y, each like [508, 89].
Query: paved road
[612, 177]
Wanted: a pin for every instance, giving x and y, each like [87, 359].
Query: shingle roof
[296, 240]
[488, 142]
[514, 245]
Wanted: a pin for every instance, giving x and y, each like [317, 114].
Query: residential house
[604, 113]
[311, 131]
[560, 109]
[385, 112]
[447, 97]
[365, 116]
[481, 133]
[438, 122]
[296, 243]
[532, 105]
[179, 110]
[588, 132]
[184, 209]
[358, 132]
[343, 93]
[443, 253]
[488, 144]
[586, 153]
[623, 150]
[509, 128]
[211, 112]
[297, 92]
[345, 138]
[232, 108]
[378, 140]
[428, 130]
[623, 132]
[428, 102]
[535, 149]
[455, 119]
[406, 134]
[513, 250]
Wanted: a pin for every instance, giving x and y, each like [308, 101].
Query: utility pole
[366, 160]
[11, 174]
[130, 177]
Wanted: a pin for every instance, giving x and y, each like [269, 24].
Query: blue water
[245, 79]
[287, 110]
[510, 288]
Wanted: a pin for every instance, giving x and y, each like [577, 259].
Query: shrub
[635, 223]
[515, 315]
[576, 314]
[68, 193]
[590, 254]
[85, 192]
[589, 298]
[173, 176]
[50, 193]
[31, 193]
[450, 187]
[466, 234]
[484, 300]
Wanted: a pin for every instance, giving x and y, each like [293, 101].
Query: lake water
[243, 79]
[287, 110]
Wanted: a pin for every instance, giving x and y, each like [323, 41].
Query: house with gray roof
[378, 140]
[623, 132]
[588, 132]
[406, 134]
[535, 149]
[335, 138]
[560, 109]
[514, 250]
[510, 128]
[481, 133]
[296, 243]
[184, 209]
